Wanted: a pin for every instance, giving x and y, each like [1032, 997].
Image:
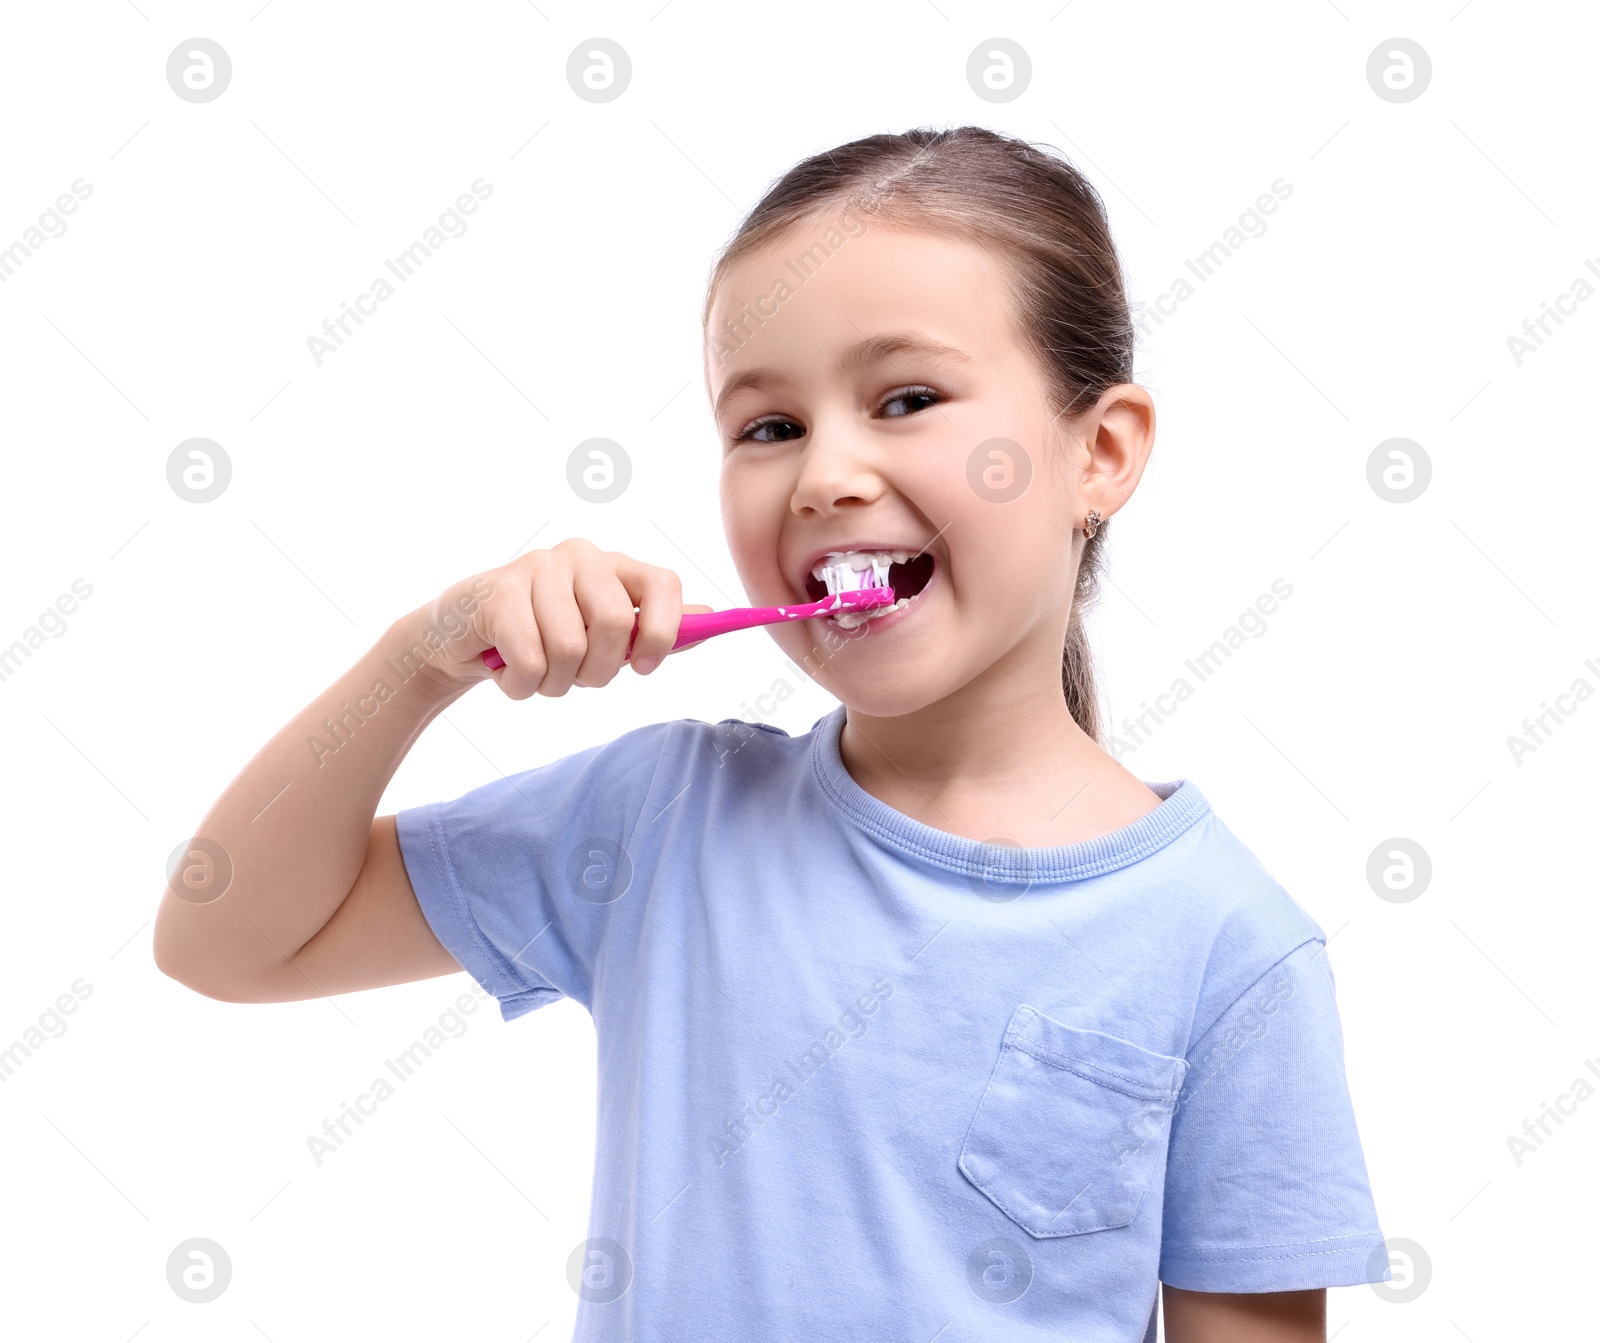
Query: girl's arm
[299, 842]
[291, 887]
[1244, 1317]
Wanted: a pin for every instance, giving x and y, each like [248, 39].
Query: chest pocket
[1071, 1127]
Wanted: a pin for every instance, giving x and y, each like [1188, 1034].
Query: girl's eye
[925, 394]
[756, 433]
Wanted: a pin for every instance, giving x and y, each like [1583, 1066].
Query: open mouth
[908, 573]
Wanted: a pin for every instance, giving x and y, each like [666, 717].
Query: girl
[934, 1022]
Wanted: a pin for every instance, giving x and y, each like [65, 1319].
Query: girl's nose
[836, 470]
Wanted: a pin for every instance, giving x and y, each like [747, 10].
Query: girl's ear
[1119, 435]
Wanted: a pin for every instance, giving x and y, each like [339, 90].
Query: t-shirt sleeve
[1266, 1187]
[520, 878]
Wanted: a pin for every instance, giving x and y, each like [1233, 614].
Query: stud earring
[1091, 524]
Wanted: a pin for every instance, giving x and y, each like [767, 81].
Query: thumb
[693, 610]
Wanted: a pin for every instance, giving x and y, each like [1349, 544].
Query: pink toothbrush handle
[700, 625]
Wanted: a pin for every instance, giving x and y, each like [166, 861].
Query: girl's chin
[854, 664]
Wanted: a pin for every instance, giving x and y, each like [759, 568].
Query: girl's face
[877, 398]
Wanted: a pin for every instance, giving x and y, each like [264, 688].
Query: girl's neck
[1014, 768]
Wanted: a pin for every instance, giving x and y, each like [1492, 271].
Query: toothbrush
[699, 625]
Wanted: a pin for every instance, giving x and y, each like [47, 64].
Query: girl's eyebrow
[872, 350]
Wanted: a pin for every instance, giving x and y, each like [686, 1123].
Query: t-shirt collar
[994, 862]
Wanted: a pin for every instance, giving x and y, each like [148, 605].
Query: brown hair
[1048, 222]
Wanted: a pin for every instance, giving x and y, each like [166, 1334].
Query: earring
[1091, 524]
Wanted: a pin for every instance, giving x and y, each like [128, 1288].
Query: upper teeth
[845, 571]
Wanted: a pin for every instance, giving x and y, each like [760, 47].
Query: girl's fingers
[516, 636]
[607, 612]
[561, 628]
[659, 596]
[568, 617]
[693, 610]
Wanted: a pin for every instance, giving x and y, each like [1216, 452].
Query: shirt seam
[1196, 1040]
[650, 788]
[668, 738]
[463, 907]
[437, 842]
[1247, 1253]
[1123, 857]
[1148, 1090]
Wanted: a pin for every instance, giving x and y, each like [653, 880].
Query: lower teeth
[850, 619]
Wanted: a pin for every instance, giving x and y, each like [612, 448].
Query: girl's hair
[1048, 223]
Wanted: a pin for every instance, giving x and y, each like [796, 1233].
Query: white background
[1378, 704]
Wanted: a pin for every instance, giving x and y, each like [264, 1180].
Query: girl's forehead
[808, 247]
[807, 295]
[811, 275]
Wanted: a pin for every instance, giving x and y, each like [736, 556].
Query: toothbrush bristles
[846, 578]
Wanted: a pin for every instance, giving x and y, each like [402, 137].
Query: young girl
[932, 1023]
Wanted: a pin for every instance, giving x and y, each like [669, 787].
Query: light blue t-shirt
[860, 1078]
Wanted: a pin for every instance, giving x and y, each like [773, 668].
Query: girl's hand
[559, 617]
